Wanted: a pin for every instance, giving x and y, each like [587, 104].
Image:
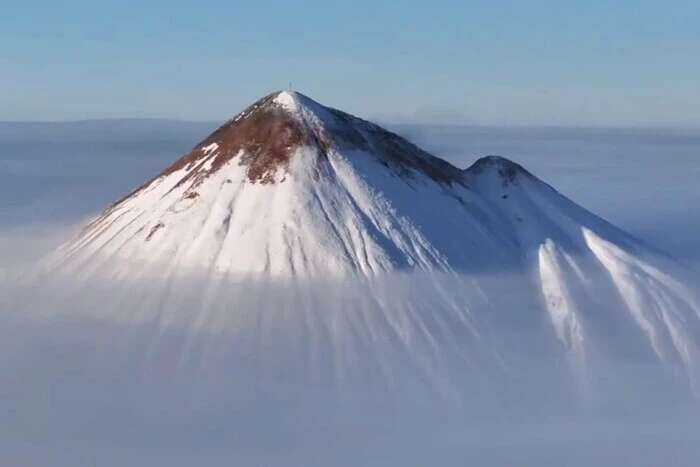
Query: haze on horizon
[593, 64]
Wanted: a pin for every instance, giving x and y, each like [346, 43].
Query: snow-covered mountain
[291, 190]
[290, 187]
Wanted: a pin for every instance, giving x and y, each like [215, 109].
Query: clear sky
[593, 62]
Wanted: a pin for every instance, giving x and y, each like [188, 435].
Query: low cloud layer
[409, 370]
[392, 372]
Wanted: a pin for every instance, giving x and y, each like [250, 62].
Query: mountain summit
[268, 134]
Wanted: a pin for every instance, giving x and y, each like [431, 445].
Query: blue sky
[592, 62]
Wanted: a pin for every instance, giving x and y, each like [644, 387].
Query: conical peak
[266, 136]
[287, 96]
[294, 101]
[288, 100]
[263, 136]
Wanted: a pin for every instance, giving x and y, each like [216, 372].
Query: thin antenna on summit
[290, 86]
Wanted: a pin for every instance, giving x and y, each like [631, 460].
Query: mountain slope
[596, 281]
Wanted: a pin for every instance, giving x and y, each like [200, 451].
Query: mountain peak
[287, 96]
[293, 100]
[266, 137]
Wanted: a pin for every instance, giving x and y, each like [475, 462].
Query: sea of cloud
[216, 380]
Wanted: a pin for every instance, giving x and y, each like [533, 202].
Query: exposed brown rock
[265, 136]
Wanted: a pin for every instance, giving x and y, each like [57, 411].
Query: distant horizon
[478, 63]
[381, 121]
